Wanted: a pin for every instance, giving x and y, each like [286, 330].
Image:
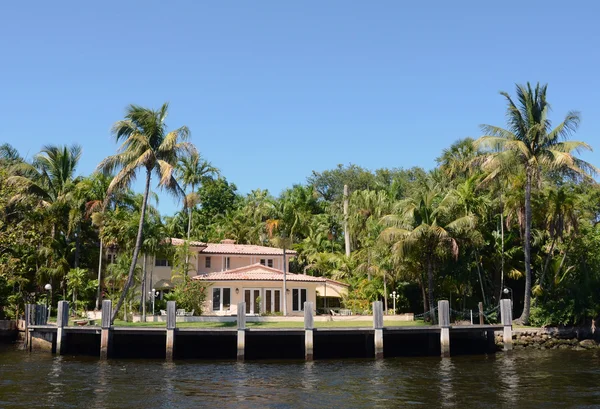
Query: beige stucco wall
[261, 285]
[217, 262]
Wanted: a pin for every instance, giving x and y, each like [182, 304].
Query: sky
[272, 90]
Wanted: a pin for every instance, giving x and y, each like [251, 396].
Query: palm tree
[192, 170]
[146, 145]
[531, 143]
[421, 225]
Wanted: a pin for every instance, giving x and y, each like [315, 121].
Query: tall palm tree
[531, 143]
[192, 170]
[421, 224]
[147, 146]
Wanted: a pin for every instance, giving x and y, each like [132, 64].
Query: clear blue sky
[274, 89]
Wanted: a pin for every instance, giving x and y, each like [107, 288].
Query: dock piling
[378, 328]
[62, 320]
[241, 330]
[309, 326]
[171, 325]
[444, 320]
[506, 318]
[106, 331]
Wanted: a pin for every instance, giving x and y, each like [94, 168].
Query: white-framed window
[161, 262]
[298, 299]
[221, 298]
[227, 263]
[207, 262]
[267, 262]
[111, 258]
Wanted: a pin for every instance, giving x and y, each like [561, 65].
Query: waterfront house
[250, 273]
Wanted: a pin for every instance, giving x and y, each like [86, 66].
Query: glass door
[252, 298]
[272, 300]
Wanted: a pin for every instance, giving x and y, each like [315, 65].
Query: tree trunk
[136, 250]
[144, 289]
[99, 292]
[480, 277]
[346, 231]
[423, 294]
[502, 250]
[77, 246]
[385, 295]
[527, 250]
[547, 263]
[430, 288]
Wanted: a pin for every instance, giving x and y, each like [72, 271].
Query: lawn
[279, 324]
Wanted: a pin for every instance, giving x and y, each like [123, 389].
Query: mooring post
[62, 319]
[444, 320]
[506, 317]
[171, 324]
[27, 324]
[106, 331]
[241, 331]
[309, 326]
[378, 328]
[480, 313]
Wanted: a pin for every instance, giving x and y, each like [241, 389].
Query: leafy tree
[148, 146]
[531, 143]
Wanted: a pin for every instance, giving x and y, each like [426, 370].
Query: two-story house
[250, 273]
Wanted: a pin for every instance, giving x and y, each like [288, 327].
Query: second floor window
[227, 263]
[161, 262]
[207, 262]
[266, 262]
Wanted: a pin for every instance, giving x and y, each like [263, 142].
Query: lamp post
[506, 291]
[48, 287]
[394, 298]
[153, 293]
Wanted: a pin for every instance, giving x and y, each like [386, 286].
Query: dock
[242, 343]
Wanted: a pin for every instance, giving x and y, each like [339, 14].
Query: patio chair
[163, 312]
[190, 313]
[180, 312]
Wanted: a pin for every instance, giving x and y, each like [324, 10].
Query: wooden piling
[506, 318]
[378, 328]
[28, 322]
[106, 331]
[241, 331]
[444, 320]
[171, 325]
[62, 320]
[309, 326]
[480, 313]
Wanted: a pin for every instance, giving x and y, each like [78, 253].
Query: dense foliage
[512, 214]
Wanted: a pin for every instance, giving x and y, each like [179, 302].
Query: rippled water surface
[522, 379]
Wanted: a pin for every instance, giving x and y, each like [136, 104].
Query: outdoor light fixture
[48, 287]
[506, 291]
[394, 298]
[237, 290]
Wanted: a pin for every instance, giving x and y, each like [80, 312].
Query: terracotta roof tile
[256, 272]
[230, 248]
[180, 242]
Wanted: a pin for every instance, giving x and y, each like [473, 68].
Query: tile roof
[232, 248]
[256, 272]
[180, 242]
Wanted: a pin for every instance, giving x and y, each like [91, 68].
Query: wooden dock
[242, 343]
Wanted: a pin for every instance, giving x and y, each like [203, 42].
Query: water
[522, 379]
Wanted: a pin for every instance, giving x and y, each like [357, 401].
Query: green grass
[278, 324]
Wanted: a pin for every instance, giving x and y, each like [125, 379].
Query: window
[298, 299]
[161, 262]
[207, 262]
[112, 258]
[221, 299]
[227, 263]
[266, 262]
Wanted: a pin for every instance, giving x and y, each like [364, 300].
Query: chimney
[228, 241]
